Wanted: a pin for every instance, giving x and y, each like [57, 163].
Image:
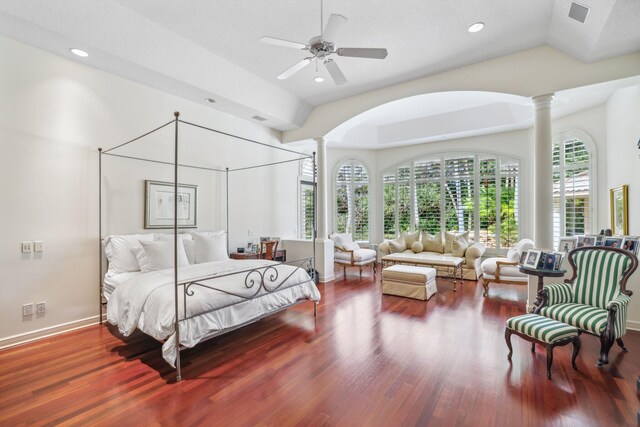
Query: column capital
[320, 140]
[542, 101]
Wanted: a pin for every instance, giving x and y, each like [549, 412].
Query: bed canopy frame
[255, 278]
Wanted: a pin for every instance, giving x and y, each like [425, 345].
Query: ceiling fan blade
[283, 43]
[335, 72]
[362, 52]
[334, 25]
[291, 71]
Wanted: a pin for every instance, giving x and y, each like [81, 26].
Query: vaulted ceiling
[201, 49]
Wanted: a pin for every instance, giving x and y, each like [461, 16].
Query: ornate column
[321, 211]
[543, 173]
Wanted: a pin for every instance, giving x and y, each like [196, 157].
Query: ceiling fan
[322, 48]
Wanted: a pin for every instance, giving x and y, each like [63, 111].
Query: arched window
[572, 185]
[352, 200]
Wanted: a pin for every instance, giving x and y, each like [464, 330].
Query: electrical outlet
[41, 307]
[38, 246]
[27, 309]
[27, 247]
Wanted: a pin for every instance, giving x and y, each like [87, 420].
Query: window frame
[352, 161]
[304, 181]
[561, 138]
[443, 157]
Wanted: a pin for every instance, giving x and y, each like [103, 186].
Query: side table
[541, 273]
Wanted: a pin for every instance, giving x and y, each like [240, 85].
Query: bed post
[175, 247]
[315, 230]
[100, 231]
[227, 216]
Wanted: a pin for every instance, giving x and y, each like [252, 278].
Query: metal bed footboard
[259, 281]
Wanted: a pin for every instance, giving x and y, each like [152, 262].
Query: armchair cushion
[359, 255]
[344, 241]
[585, 317]
[559, 293]
[600, 273]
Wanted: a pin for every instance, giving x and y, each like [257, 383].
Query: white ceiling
[209, 48]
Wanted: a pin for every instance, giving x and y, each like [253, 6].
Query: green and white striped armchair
[595, 299]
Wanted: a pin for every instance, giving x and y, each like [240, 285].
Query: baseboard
[634, 326]
[322, 279]
[47, 332]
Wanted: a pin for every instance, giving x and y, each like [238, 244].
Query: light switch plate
[27, 309]
[27, 247]
[38, 246]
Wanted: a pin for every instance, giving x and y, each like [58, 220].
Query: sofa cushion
[417, 247]
[450, 237]
[459, 247]
[585, 317]
[432, 243]
[411, 238]
[397, 245]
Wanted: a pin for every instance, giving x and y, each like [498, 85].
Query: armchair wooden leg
[361, 272]
[621, 344]
[576, 350]
[549, 360]
[485, 285]
[344, 267]
[605, 346]
[507, 338]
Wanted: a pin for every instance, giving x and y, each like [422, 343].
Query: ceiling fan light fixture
[474, 28]
[78, 52]
[318, 79]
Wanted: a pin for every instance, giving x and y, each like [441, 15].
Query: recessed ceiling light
[210, 100]
[79, 52]
[474, 28]
[318, 79]
[258, 118]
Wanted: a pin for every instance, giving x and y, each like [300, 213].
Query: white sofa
[441, 244]
[505, 269]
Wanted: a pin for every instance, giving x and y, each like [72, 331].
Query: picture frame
[580, 241]
[549, 261]
[533, 256]
[523, 257]
[613, 242]
[631, 244]
[600, 240]
[567, 244]
[619, 210]
[159, 205]
[590, 240]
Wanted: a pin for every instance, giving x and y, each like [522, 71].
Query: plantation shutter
[458, 194]
[427, 175]
[389, 206]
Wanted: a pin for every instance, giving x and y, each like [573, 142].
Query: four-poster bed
[208, 298]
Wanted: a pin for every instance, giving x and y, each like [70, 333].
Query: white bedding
[146, 301]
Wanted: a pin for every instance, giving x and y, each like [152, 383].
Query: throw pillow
[118, 252]
[417, 247]
[343, 240]
[450, 237]
[397, 245]
[432, 243]
[158, 255]
[458, 248]
[411, 238]
[210, 247]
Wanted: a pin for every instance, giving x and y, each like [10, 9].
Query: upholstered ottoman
[409, 281]
[545, 331]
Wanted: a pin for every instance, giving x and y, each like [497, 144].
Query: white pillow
[158, 255]
[167, 236]
[187, 242]
[512, 254]
[118, 252]
[210, 247]
[343, 240]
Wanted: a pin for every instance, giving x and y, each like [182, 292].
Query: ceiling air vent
[578, 12]
[258, 118]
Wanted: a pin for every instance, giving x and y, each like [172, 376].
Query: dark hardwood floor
[368, 360]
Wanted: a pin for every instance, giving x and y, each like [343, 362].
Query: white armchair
[505, 269]
[348, 253]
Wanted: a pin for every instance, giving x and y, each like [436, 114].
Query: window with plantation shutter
[572, 187]
[352, 200]
[455, 192]
[305, 212]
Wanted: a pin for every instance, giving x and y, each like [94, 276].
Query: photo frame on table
[580, 242]
[613, 242]
[533, 256]
[631, 244]
[159, 205]
[523, 257]
[549, 261]
[619, 210]
[567, 244]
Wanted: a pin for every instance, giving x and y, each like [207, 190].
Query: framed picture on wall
[619, 210]
[159, 205]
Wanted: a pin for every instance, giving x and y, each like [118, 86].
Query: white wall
[54, 114]
[623, 163]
